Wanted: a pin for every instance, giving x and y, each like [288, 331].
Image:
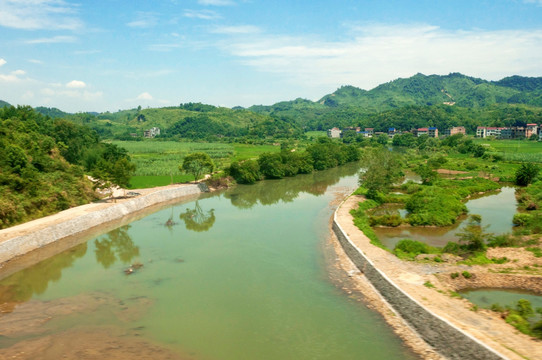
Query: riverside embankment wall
[23, 244]
[445, 338]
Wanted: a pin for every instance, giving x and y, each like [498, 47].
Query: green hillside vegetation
[4, 104]
[350, 106]
[42, 170]
[193, 121]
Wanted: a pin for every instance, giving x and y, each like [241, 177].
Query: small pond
[486, 297]
[497, 210]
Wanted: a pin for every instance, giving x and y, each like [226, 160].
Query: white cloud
[216, 2]
[12, 77]
[53, 40]
[375, 54]
[538, 2]
[201, 14]
[38, 14]
[76, 84]
[144, 96]
[241, 29]
[144, 20]
[35, 61]
[2, 62]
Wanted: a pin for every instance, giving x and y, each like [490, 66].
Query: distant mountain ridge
[454, 89]
[443, 94]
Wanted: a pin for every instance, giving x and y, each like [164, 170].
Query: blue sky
[106, 55]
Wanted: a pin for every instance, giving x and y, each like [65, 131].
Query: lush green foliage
[523, 317]
[434, 205]
[245, 172]
[382, 170]
[526, 173]
[408, 249]
[361, 220]
[35, 179]
[324, 154]
[197, 164]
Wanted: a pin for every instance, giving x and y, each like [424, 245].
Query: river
[237, 274]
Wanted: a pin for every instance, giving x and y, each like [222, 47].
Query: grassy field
[157, 162]
[515, 150]
[315, 134]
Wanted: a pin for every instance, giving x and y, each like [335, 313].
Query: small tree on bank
[197, 164]
[526, 173]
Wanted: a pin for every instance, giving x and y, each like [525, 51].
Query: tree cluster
[44, 161]
[322, 155]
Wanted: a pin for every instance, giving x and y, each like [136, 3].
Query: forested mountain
[52, 112]
[3, 103]
[420, 100]
[457, 90]
[188, 121]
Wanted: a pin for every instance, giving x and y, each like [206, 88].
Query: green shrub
[452, 248]
[521, 219]
[519, 323]
[454, 275]
[466, 274]
[504, 240]
[412, 247]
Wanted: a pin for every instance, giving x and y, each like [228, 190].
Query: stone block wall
[448, 340]
[21, 245]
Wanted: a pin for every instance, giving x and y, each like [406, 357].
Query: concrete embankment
[446, 338]
[24, 238]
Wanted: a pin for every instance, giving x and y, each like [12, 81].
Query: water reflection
[497, 210]
[270, 192]
[21, 286]
[197, 219]
[115, 245]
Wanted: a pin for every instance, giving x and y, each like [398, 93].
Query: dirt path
[484, 325]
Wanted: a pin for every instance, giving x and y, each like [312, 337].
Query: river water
[240, 274]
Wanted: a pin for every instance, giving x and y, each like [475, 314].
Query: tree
[246, 172]
[526, 173]
[382, 169]
[473, 236]
[382, 139]
[197, 164]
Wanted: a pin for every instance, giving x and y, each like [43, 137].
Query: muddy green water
[497, 211]
[240, 274]
[487, 297]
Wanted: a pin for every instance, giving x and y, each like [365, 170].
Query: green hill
[188, 121]
[349, 105]
[4, 104]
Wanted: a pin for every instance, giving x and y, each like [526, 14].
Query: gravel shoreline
[484, 325]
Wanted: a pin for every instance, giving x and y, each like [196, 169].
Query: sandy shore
[484, 325]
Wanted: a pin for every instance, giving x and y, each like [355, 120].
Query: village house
[152, 132]
[392, 132]
[531, 129]
[421, 131]
[514, 132]
[485, 131]
[334, 133]
[455, 130]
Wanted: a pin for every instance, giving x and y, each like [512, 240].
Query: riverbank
[24, 238]
[428, 285]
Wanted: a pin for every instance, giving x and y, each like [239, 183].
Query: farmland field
[515, 150]
[157, 162]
